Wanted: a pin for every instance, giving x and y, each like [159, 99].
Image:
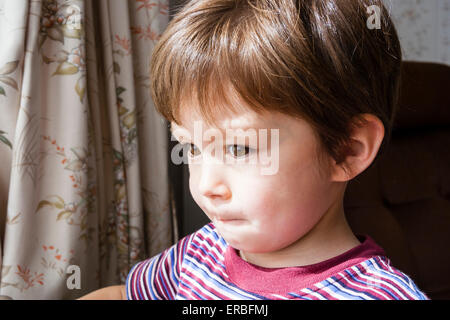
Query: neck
[330, 237]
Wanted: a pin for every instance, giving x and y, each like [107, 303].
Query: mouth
[225, 217]
[229, 220]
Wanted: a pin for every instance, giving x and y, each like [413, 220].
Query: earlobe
[365, 141]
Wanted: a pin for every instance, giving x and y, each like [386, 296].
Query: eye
[192, 149]
[238, 150]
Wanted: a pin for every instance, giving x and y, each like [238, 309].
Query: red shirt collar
[262, 280]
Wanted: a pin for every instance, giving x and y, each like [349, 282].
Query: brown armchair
[403, 200]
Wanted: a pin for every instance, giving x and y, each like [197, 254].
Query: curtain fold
[84, 177]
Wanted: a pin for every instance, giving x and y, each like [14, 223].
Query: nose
[212, 183]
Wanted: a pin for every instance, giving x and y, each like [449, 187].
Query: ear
[365, 141]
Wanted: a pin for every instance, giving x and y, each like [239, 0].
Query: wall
[423, 27]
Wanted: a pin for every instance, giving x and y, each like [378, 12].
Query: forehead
[234, 113]
[220, 106]
[223, 121]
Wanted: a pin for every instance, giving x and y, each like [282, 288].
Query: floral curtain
[84, 189]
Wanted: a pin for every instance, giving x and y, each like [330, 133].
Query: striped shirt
[203, 266]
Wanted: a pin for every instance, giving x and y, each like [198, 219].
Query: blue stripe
[185, 245]
[372, 284]
[182, 296]
[208, 254]
[361, 282]
[298, 296]
[341, 292]
[315, 291]
[150, 274]
[210, 229]
[193, 291]
[402, 277]
[127, 282]
[342, 280]
[161, 277]
[213, 282]
[394, 277]
[200, 262]
[173, 256]
[139, 275]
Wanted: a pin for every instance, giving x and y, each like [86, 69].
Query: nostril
[219, 192]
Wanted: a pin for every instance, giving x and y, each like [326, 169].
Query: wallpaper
[423, 27]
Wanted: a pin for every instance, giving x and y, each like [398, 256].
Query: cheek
[293, 199]
[259, 202]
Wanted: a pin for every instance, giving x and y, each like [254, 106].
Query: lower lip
[230, 221]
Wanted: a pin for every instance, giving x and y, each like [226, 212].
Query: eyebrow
[242, 125]
[239, 125]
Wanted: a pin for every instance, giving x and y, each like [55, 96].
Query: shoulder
[205, 239]
[158, 277]
[206, 242]
[378, 279]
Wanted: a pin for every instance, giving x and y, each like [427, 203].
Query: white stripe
[365, 288]
[168, 277]
[199, 253]
[330, 292]
[310, 292]
[230, 291]
[349, 290]
[279, 296]
[411, 292]
[221, 246]
[208, 247]
[176, 269]
[152, 279]
[131, 282]
[373, 277]
[190, 295]
[194, 284]
[218, 279]
[176, 265]
[387, 265]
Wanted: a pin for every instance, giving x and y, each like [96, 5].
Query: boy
[325, 85]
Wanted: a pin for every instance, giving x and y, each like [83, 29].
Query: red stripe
[199, 281]
[136, 281]
[385, 286]
[367, 289]
[205, 260]
[201, 246]
[397, 284]
[211, 245]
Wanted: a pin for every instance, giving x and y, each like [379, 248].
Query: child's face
[256, 212]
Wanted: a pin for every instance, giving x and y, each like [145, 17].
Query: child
[324, 83]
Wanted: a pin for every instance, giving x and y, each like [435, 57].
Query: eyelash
[248, 150]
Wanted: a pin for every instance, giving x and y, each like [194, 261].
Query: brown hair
[314, 59]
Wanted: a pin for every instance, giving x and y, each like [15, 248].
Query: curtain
[84, 188]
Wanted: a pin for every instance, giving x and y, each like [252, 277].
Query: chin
[249, 247]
